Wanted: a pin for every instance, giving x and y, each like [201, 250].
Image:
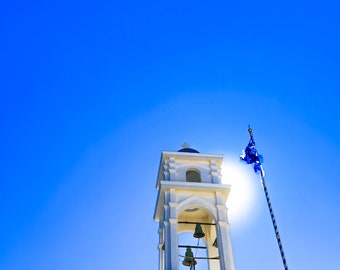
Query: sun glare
[242, 202]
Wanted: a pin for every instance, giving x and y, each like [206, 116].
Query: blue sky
[92, 92]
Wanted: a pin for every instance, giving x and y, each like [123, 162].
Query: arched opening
[193, 175]
[202, 247]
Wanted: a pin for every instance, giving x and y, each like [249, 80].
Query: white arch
[194, 201]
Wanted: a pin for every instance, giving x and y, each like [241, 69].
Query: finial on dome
[185, 145]
[186, 148]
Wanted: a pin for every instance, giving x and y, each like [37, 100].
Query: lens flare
[242, 202]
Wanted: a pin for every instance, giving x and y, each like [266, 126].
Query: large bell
[198, 231]
[189, 258]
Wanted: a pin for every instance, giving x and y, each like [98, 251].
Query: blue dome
[188, 150]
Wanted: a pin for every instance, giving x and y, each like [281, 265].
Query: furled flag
[251, 156]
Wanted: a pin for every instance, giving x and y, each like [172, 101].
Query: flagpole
[251, 156]
[277, 234]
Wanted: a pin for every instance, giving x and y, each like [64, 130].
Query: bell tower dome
[192, 199]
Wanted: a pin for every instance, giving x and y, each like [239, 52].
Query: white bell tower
[192, 199]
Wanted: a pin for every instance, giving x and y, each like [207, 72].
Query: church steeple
[192, 199]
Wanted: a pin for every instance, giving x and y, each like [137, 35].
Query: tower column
[170, 231]
[160, 245]
[224, 244]
[223, 234]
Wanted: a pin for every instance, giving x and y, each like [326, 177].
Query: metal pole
[186, 246]
[278, 238]
[195, 222]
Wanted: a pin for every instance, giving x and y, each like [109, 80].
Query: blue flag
[251, 156]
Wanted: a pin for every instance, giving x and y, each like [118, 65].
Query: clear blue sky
[92, 92]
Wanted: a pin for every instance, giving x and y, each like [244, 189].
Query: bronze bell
[215, 243]
[198, 231]
[189, 258]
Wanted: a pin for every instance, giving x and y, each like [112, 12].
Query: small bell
[189, 258]
[198, 231]
[215, 243]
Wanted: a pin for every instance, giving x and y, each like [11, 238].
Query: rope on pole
[277, 234]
